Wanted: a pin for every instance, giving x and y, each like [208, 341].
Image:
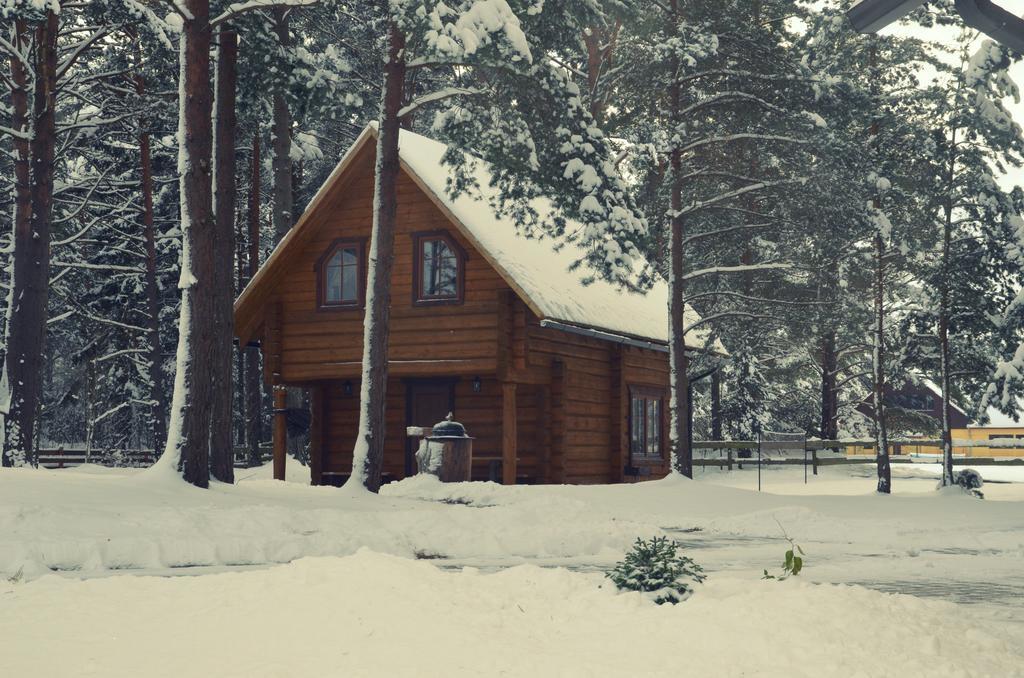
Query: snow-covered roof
[934, 388]
[541, 274]
[534, 268]
[997, 419]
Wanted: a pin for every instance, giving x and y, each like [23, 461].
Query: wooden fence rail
[814, 460]
[818, 454]
[1007, 443]
[60, 457]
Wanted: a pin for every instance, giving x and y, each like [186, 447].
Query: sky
[1015, 176]
[1017, 72]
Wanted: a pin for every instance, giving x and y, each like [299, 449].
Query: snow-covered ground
[433, 579]
[376, 615]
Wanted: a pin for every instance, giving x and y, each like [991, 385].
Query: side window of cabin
[646, 412]
[438, 269]
[341, 276]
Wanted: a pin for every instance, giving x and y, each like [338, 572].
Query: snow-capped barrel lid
[449, 428]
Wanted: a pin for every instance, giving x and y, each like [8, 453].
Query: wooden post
[519, 334]
[508, 433]
[729, 454]
[556, 461]
[280, 429]
[814, 460]
[504, 332]
[619, 452]
[316, 434]
[544, 434]
[716, 405]
[222, 453]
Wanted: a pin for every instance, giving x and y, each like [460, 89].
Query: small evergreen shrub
[969, 481]
[657, 569]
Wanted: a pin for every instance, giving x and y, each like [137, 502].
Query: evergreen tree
[875, 79]
[716, 143]
[971, 274]
[53, 117]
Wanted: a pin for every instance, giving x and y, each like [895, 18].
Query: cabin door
[427, 401]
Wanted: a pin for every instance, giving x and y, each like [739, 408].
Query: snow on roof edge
[545, 270]
[536, 269]
[313, 203]
[934, 388]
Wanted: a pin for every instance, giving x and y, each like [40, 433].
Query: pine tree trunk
[20, 122]
[222, 458]
[282, 161]
[157, 380]
[600, 42]
[189, 434]
[283, 178]
[368, 455]
[241, 268]
[878, 368]
[679, 385]
[90, 407]
[829, 363]
[944, 314]
[716, 405]
[947, 435]
[238, 430]
[22, 205]
[878, 352]
[31, 279]
[253, 382]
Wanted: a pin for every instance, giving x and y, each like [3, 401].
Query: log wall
[571, 391]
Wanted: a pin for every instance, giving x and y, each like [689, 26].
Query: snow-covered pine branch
[712, 318]
[79, 48]
[744, 268]
[732, 195]
[239, 8]
[740, 136]
[726, 294]
[439, 95]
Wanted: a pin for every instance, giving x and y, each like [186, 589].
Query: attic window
[341, 276]
[438, 269]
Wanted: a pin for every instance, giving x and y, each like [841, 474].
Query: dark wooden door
[427, 401]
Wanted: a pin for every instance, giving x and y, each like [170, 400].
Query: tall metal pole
[759, 461]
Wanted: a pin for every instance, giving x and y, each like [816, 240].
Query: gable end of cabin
[544, 405]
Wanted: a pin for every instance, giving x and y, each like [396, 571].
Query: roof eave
[247, 305]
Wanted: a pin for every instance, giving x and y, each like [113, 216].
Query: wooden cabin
[557, 381]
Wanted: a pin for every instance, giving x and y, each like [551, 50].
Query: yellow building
[1002, 432]
[998, 438]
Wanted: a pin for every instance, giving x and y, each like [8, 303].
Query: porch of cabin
[510, 423]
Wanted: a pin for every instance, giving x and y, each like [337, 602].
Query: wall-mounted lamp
[347, 387]
[477, 384]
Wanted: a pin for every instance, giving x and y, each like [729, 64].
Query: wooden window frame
[418, 240]
[647, 393]
[321, 279]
